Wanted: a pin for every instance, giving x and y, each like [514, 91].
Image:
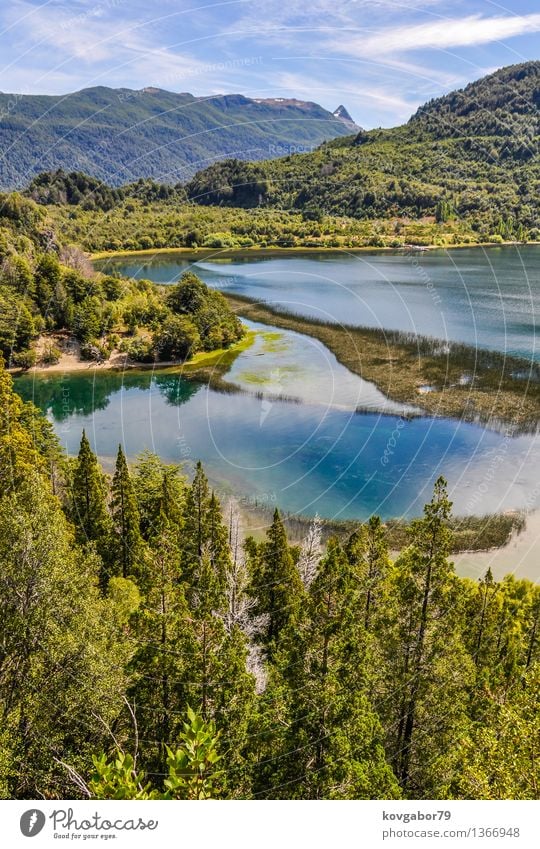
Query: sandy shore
[256, 250]
[520, 557]
[218, 360]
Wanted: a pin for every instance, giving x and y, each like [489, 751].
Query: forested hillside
[465, 169]
[472, 154]
[120, 135]
[45, 288]
[147, 652]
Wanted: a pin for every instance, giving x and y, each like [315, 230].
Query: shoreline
[219, 361]
[401, 370]
[518, 557]
[231, 253]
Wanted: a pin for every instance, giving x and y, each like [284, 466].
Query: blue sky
[381, 58]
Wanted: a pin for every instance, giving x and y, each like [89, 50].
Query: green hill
[472, 155]
[120, 135]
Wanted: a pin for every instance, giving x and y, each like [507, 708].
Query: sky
[380, 58]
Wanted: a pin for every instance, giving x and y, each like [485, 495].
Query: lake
[487, 297]
[336, 446]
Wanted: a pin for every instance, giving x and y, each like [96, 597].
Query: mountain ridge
[472, 153]
[121, 135]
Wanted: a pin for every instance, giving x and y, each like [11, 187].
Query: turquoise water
[305, 457]
[487, 297]
[316, 453]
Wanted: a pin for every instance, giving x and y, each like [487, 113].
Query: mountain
[120, 135]
[504, 104]
[343, 115]
[472, 154]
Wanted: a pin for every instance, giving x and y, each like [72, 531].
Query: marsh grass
[473, 384]
[469, 533]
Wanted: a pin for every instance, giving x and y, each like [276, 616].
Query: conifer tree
[378, 564]
[62, 662]
[128, 543]
[88, 499]
[332, 747]
[367, 552]
[204, 541]
[160, 664]
[18, 457]
[499, 760]
[159, 488]
[425, 671]
[533, 629]
[195, 527]
[276, 584]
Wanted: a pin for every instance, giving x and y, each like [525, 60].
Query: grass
[468, 383]
[469, 533]
[211, 366]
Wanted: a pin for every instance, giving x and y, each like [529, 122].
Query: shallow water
[487, 297]
[319, 454]
[285, 364]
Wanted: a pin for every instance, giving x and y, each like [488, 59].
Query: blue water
[319, 455]
[306, 458]
[487, 297]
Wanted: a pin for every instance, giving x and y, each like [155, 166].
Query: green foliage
[234, 183]
[217, 326]
[192, 768]
[312, 675]
[277, 586]
[129, 552]
[61, 662]
[17, 327]
[176, 339]
[87, 499]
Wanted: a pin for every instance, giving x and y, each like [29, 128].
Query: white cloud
[94, 46]
[445, 33]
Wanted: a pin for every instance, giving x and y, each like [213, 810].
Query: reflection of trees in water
[79, 394]
[176, 389]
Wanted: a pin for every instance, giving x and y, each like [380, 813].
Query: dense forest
[148, 651]
[472, 154]
[44, 287]
[463, 170]
[120, 135]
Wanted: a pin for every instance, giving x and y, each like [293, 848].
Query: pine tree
[159, 488]
[195, 527]
[128, 543]
[499, 760]
[367, 552]
[533, 630]
[161, 664]
[276, 584]
[88, 499]
[332, 747]
[62, 664]
[425, 669]
[18, 456]
[204, 543]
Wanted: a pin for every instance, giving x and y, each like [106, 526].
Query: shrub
[93, 351]
[139, 350]
[51, 355]
[25, 359]
[176, 339]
